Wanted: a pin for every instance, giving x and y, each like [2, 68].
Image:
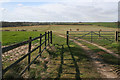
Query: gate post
[67, 37]
[116, 36]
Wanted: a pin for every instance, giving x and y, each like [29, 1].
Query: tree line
[16, 24]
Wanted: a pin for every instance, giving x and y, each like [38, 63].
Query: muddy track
[103, 68]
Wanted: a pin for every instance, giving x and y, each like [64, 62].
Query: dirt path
[103, 68]
[106, 50]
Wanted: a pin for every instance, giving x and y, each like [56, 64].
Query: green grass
[108, 58]
[105, 24]
[72, 57]
[13, 36]
[58, 40]
[67, 60]
[108, 43]
[86, 68]
[29, 28]
[16, 37]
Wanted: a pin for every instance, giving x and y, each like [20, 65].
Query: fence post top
[40, 35]
[30, 37]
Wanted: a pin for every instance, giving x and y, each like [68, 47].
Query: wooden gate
[94, 36]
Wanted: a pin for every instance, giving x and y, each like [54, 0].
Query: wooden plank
[28, 54]
[35, 38]
[32, 61]
[5, 49]
[10, 66]
[38, 37]
[90, 31]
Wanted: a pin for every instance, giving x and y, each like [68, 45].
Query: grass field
[106, 39]
[9, 37]
[73, 59]
[105, 24]
[63, 28]
[15, 37]
[74, 54]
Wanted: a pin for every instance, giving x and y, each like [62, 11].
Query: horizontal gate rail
[103, 37]
[90, 31]
[108, 35]
[84, 35]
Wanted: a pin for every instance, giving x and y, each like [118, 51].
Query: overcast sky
[59, 10]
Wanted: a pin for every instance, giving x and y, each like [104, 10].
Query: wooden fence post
[40, 44]
[116, 36]
[29, 56]
[51, 36]
[91, 36]
[45, 39]
[67, 37]
[48, 37]
[99, 33]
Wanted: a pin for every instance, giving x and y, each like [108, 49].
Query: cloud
[20, 4]
[2, 9]
[62, 11]
[59, 0]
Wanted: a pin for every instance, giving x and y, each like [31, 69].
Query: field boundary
[94, 35]
[48, 37]
[99, 34]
